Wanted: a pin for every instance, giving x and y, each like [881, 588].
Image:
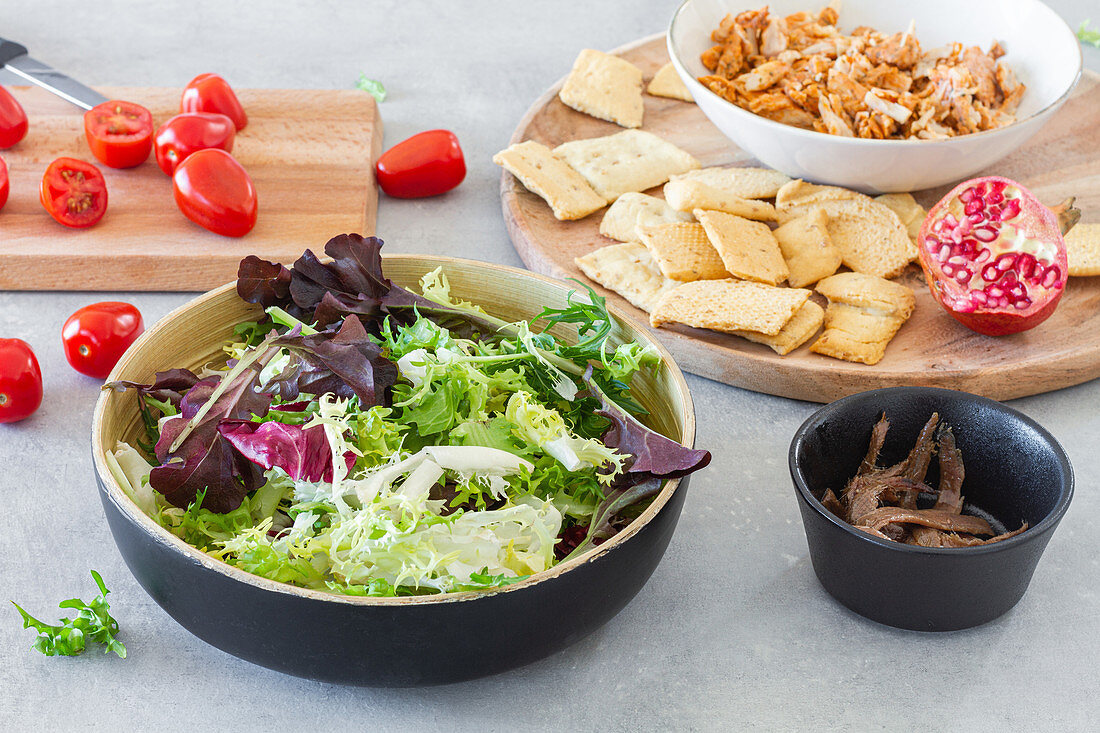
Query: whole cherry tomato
[189, 132]
[119, 133]
[20, 380]
[3, 183]
[427, 164]
[211, 93]
[74, 192]
[96, 336]
[13, 120]
[214, 191]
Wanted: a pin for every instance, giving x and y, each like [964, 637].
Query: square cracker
[543, 173]
[683, 252]
[630, 271]
[747, 183]
[606, 87]
[729, 306]
[667, 83]
[856, 334]
[807, 249]
[686, 195]
[1083, 250]
[632, 211]
[803, 324]
[867, 291]
[747, 248]
[631, 160]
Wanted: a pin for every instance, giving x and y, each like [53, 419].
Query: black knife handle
[9, 50]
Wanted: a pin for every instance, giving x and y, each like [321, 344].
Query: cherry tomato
[74, 192]
[214, 191]
[20, 380]
[119, 133]
[96, 336]
[13, 120]
[186, 133]
[427, 164]
[211, 93]
[3, 183]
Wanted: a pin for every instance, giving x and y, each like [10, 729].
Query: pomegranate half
[993, 255]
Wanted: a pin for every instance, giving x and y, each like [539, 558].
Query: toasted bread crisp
[606, 87]
[630, 271]
[747, 248]
[729, 306]
[910, 213]
[631, 160]
[803, 324]
[863, 315]
[1083, 250]
[683, 252]
[667, 83]
[632, 211]
[869, 236]
[544, 174]
[747, 183]
[687, 195]
[807, 248]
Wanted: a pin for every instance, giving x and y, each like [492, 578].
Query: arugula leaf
[371, 87]
[68, 638]
[1091, 37]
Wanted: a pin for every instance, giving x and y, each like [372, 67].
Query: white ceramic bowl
[1042, 50]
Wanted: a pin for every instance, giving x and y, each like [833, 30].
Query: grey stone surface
[732, 632]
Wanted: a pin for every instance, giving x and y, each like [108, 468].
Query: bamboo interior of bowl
[193, 335]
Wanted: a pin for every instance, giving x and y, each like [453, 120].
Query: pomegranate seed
[963, 275]
[985, 234]
[1025, 266]
[1021, 304]
[949, 220]
[944, 253]
[1010, 210]
[995, 292]
[982, 255]
[979, 297]
[1050, 276]
[1006, 261]
[990, 273]
[997, 186]
[967, 196]
[972, 207]
[979, 190]
[994, 197]
[948, 269]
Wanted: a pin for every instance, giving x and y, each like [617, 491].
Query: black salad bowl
[384, 642]
[1015, 472]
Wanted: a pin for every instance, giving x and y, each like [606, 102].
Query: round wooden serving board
[930, 349]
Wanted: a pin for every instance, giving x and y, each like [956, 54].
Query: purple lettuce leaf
[304, 453]
[168, 386]
[262, 282]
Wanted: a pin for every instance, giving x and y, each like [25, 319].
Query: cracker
[683, 252]
[807, 249]
[1083, 250]
[729, 306]
[747, 248]
[544, 174]
[629, 270]
[866, 291]
[748, 183]
[686, 195]
[856, 334]
[803, 324]
[606, 87]
[631, 160]
[632, 211]
[667, 83]
[910, 213]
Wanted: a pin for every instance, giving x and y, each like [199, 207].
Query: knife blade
[14, 58]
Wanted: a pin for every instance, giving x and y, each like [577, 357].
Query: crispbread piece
[807, 248]
[747, 248]
[631, 211]
[683, 252]
[629, 270]
[910, 213]
[1083, 250]
[631, 160]
[748, 183]
[856, 334]
[606, 87]
[543, 173]
[867, 291]
[667, 83]
[729, 306]
[803, 324]
[686, 195]
[869, 236]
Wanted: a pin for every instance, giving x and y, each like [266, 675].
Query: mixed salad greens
[366, 440]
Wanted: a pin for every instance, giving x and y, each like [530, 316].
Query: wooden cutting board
[931, 348]
[309, 152]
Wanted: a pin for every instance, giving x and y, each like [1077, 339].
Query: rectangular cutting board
[310, 154]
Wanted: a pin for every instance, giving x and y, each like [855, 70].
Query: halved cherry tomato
[96, 336]
[3, 183]
[214, 191]
[20, 380]
[191, 131]
[211, 93]
[13, 120]
[119, 133]
[74, 192]
[427, 164]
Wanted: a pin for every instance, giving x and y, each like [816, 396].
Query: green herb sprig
[372, 87]
[69, 637]
[1085, 35]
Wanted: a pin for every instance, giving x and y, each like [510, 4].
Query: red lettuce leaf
[304, 453]
[263, 282]
[168, 386]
